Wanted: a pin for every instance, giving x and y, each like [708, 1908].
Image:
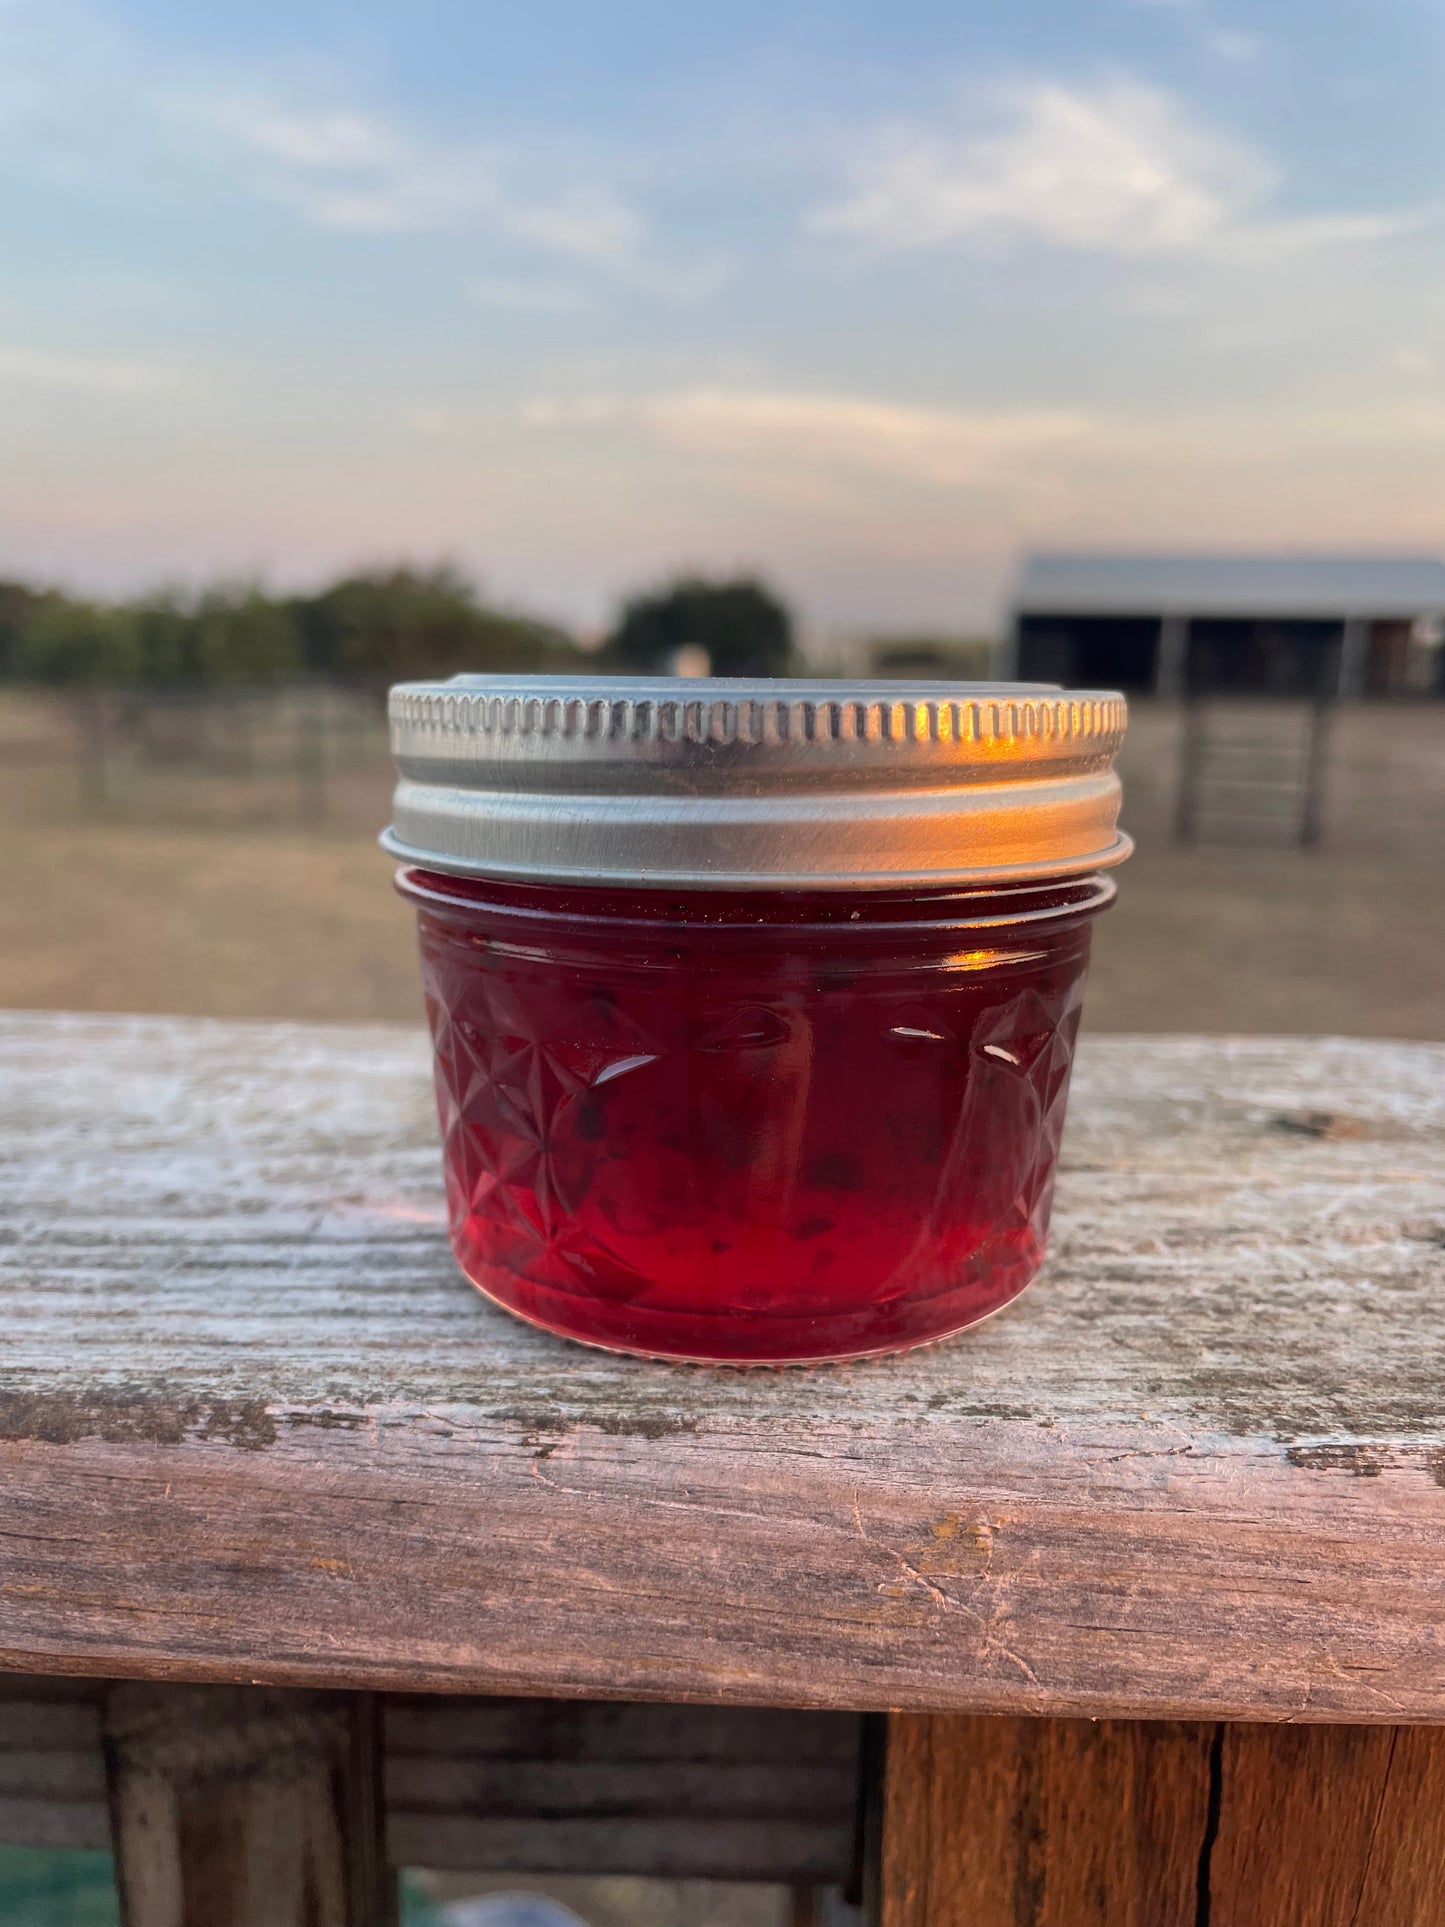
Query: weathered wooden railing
[1148, 1573]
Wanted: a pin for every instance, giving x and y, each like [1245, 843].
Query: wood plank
[246, 1807]
[519, 1786]
[40, 1820]
[252, 1426]
[1062, 1823]
[1297, 1813]
[1404, 1878]
[775, 1849]
[721, 1793]
[1043, 1823]
[424, 1727]
[1332, 1826]
[52, 1771]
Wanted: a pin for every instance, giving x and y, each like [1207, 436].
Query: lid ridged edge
[1094, 720]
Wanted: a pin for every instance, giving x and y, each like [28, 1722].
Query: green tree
[77, 642]
[245, 636]
[225, 635]
[165, 641]
[742, 625]
[369, 627]
[411, 622]
[18, 603]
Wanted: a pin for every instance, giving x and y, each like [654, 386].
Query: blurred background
[1101, 341]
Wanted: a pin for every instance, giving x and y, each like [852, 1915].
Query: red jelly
[753, 1128]
[753, 1006]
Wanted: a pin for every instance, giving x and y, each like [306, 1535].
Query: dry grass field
[205, 894]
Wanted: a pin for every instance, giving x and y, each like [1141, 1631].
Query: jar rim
[1097, 891]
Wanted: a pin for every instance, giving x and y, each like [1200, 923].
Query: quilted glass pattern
[763, 1145]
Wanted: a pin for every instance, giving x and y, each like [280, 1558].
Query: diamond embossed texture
[751, 1128]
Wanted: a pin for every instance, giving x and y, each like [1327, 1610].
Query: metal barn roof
[1232, 585]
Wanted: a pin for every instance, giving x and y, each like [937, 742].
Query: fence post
[311, 755]
[1171, 662]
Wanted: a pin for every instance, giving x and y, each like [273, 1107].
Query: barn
[1316, 626]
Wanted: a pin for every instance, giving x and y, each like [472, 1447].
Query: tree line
[375, 626]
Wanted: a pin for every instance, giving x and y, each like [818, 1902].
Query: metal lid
[735, 784]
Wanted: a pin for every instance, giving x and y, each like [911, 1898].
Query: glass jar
[753, 1005]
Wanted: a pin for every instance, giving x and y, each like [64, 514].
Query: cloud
[358, 173]
[1122, 169]
[81, 374]
[588, 223]
[1322, 233]
[1117, 169]
[946, 447]
[337, 140]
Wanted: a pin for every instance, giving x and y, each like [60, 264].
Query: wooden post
[237, 1806]
[1353, 663]
[1334, 1826]
[1042, 1823]
[1073, 1823]
[311, 720]
[1171, 656]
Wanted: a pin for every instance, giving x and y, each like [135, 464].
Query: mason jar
[753, 1003]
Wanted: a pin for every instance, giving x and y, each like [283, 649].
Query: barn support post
[1004, 652]
[1354, 653]
[1172, 656]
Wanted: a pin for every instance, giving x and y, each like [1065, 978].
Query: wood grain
[1043, 1823]
[246, 1807]
[253, 1426]
[1331, 1826]
[1404, 1874]
[1065, 1823]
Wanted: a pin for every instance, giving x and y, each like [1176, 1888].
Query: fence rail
[1255, 776]
[268, 752]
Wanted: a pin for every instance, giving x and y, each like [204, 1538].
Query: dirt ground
[184, 897]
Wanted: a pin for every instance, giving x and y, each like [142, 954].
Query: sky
[867, 298]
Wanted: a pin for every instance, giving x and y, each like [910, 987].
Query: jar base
[749, 1364]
